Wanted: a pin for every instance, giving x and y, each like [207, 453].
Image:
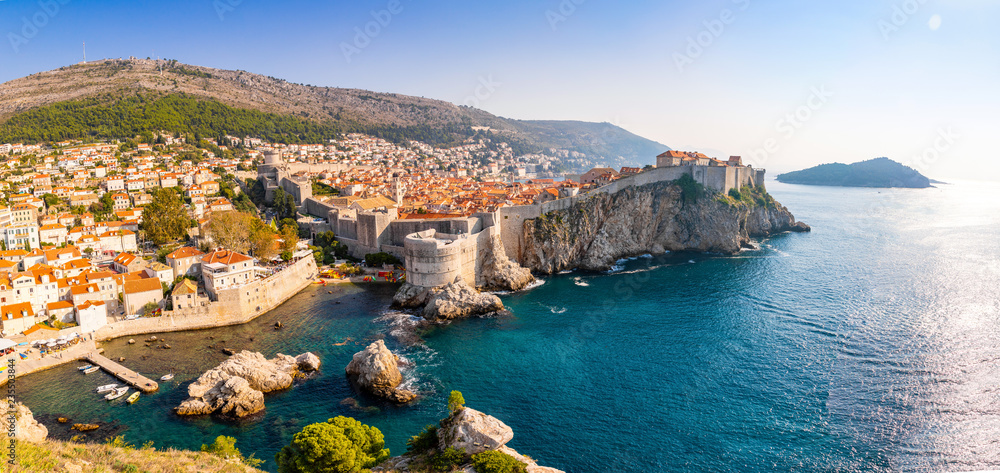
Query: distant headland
[878, 172]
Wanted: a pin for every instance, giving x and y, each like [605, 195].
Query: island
[878, 172]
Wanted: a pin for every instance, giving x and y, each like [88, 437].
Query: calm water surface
[870, 344]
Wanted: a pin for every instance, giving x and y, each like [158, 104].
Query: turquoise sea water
[870, 344]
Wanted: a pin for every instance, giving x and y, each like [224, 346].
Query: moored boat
[117, 393]
[167, 377]
[87, 367]
[106, 388]
[91, 369]
[134, 397]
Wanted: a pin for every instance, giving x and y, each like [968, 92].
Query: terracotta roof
[142, 285]
[185, 252]
[186, 286]
[88, 304]
[226, 257]
[59, 305]
[13, 311]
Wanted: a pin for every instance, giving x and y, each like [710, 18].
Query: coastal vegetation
[339, 445]
[748, 196]
[225, 447]
[691, 190]
[242, 233]
[118, 456]
[492, 461]
[878, 172]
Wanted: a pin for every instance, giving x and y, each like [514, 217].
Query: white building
[225, 269]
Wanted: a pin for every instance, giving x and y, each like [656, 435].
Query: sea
[870, 344]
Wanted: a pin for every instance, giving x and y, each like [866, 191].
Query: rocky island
[236, 387]
[376, 371]
[878, 172]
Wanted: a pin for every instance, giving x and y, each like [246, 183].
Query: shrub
[448, 459]
[691, 190]
[378, 259]
[425, 441]
[455, 401]
[225, 447]
[492, 461]
[339, 445]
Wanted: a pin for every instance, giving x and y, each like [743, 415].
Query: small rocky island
[878, 172]
[376, 370]
[467, 431]
[236, 387]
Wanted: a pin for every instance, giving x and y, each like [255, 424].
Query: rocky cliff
[654, 218]
[236, 387]
[26, 428]
[376, 370]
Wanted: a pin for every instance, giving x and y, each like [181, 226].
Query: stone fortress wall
[235, 306]
[436, 251]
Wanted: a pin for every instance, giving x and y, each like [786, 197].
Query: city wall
[235, 306]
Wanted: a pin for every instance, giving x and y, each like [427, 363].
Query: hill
[878, 172]
[105, 83]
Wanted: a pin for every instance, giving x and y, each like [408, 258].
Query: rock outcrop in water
[236, 387]
[376, 370]
[456, 300]
[654, 218]
[471, 432]
[26, 428]
[499, 273]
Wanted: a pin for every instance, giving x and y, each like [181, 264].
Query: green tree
[455, 402]
[50, 199]
[339, 445]
[165, 218]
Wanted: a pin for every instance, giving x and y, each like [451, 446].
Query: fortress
[437, 251]
[275, 173]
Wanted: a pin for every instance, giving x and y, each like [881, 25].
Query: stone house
[138, 293]
[224, 269]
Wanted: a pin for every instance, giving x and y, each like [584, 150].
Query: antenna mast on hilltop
[84, 52]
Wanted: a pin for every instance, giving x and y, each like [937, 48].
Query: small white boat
[134, 397]
[167, 377]
[91, 369]
[82, 368]
[117, 393]
[106, 388]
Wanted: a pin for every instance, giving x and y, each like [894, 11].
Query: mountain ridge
[241, 89]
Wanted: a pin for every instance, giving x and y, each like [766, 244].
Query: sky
[785, 84]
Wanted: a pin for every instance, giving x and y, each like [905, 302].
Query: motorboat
[91, 369]
[167, 377]
[83, 368]
[134, 397]
[106, 388]
[117, 393]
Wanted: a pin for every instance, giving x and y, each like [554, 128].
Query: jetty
[130, 377]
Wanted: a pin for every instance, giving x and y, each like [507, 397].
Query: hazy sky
[786, 84]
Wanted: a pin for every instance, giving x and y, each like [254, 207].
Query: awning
[5, 344]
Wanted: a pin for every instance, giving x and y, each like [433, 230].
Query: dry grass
[56, 456]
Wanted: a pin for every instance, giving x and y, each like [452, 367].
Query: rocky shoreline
[236, 387]
[655, 218]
